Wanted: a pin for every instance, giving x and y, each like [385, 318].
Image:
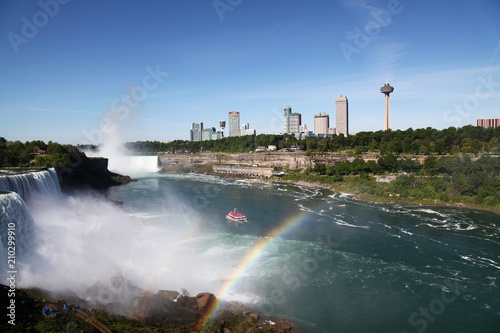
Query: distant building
[487, 123]
[196, 132]
[332, 131]
[234, 123]
[292, 122]
[321, 123]
[246, 130]
[206, 133]
[211, 133]
[342, 115]
[222, 124]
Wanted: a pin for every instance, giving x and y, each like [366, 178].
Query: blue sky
[75, 71]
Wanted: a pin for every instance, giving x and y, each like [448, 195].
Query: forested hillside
[468, 139]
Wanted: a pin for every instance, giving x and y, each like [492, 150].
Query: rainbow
[252, 256]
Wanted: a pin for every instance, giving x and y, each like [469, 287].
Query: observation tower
[387, 89]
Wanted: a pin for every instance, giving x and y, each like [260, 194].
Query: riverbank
[350, 185]
[446, 180]
[392, 200]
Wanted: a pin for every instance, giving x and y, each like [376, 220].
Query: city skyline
[74, 73]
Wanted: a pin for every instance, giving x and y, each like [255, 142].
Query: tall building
[246, 130]
[387, 89]
[487, 123]
[234, 123]
[321, 123]
[196, 131]
[222, 124]
[342, 115]
[292, 122]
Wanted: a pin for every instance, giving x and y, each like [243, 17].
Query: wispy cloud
[61, 111]
[495, 54]
[387, 56]
[359, 4]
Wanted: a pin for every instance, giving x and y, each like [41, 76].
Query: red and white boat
[236, 217]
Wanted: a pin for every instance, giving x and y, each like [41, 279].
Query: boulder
[205, 301]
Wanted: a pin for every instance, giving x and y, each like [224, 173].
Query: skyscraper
[342, 115]
[196, 131]
[246, 130]
[234, 123]
[321, 123]
[291, 122]
[387, 89]
[222, 124]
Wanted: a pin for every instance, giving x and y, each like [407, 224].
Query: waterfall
[133, 165]
[16, 222]
[26, 184]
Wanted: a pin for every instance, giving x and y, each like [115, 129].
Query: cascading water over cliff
[133, 165]
[16, 230]
[26, 184]
[16, 223]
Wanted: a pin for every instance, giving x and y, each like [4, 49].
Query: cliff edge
[89, 173]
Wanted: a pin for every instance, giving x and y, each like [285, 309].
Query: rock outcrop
[205, 302]
[89, 173]
[148, 312]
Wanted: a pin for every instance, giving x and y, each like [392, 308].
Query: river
[320, 258]
[328, 262]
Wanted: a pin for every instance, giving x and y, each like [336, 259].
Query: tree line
[425, 141]
[36, 153]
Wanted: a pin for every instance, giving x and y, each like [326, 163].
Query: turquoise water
[341, 266]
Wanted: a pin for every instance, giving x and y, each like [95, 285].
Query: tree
[389, 162]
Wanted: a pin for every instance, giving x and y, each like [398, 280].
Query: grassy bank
[405, 189]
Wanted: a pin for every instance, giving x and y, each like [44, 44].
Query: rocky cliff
[291, 161]
[89, 173]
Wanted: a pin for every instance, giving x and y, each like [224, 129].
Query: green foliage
[37, 153]
[425, 141]
[444, 179]
[457, 179]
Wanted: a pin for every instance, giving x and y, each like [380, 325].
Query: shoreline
[363, 196]
[367, 198]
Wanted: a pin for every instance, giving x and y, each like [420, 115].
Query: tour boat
[235, 216]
